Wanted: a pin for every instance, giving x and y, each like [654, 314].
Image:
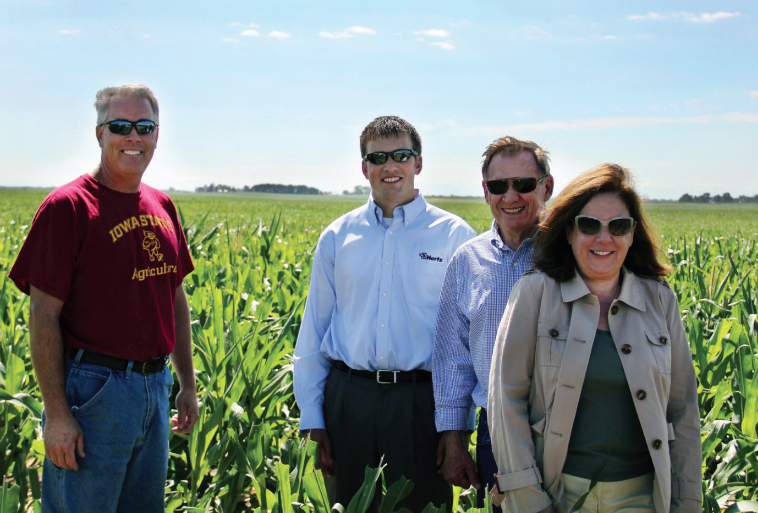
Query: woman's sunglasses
[520, 185]
[618, 226]
[380, 157]
[124, 127]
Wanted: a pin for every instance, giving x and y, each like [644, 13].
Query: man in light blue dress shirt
[517, 184]
[363, 356]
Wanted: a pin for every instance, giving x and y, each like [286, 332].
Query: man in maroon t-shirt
[103, 264]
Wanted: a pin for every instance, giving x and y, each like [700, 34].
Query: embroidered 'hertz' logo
[424, 256]
[151, 244]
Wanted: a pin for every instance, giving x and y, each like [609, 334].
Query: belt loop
[129, 369]
[78, 358]
[350, 374]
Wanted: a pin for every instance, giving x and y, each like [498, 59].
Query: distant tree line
[359, 190]
[719, 198]
[263, 187]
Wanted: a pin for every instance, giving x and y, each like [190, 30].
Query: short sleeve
[48, 255]
[183, 258]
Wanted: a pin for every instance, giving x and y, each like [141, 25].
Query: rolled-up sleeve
[312, 368]
[507, 406]
[683, 413]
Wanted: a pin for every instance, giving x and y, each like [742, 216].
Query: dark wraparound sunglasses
[380, 157]
[618, 226]
[124, 127]
[520, 185]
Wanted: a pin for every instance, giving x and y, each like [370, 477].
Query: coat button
[554, 333]
[614, 309]
[626, 349]
[663, 340]
[657, 444]
[641, 395]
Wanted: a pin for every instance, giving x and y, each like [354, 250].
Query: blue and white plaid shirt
[477, 284]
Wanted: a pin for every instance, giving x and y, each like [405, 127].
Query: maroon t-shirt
[115, 259]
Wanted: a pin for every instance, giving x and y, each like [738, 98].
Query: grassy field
[253, 256]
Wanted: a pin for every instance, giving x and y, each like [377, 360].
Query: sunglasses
[520, 185]
[124, 127]
[618, 226]
[380, 157]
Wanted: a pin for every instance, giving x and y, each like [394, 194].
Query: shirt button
[663, 340]
[381, 325]
[384, 294]
[554, 333]
[515, 264]
[614, 309]
[657, 444]
[626, 349]
[641, 395]
[386, 263]
[390, 232]
[381, 357]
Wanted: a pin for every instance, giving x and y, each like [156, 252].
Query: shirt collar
[407, 212]
[631, 290]
[497, 241]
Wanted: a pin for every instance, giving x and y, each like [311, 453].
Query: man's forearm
[181, 356]
[46, 344]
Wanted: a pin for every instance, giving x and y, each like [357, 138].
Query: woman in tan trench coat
[592, 375]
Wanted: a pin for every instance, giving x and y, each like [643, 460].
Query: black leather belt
[385, 377]
[146, 368]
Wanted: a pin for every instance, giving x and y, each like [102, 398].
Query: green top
[606, 426]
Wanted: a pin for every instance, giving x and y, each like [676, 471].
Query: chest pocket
[424, 282]
[551, 341]
[660, 343]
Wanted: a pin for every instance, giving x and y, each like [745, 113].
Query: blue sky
[279, 91]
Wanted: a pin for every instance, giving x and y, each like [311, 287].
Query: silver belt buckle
[394, 377]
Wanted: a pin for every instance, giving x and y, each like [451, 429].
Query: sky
[260, 91]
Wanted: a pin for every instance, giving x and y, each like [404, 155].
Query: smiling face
[391, 182]
[516, 213]
[125, 157]
[600, 257]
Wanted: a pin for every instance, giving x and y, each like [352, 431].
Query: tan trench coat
[541, 353]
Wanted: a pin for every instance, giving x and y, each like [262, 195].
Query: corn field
[247, 293]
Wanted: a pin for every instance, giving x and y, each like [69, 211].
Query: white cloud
[444, 46]
[230, 40]
[250, 33]
[235, 24]
[535, 32]
[277, 34]
[649, 16]
[67, 32]
[254, 25]
[606, 37]
[589, 124]
[709, 17]
[420, 39]
[349, 32]
[703, 17]
[433, 33]
[754, 95]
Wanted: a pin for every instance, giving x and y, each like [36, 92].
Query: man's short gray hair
[510, 146]
[103, 98]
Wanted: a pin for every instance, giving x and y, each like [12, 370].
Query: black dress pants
[366, 420]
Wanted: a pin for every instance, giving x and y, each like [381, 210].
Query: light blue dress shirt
[477, 284]
[373, 296]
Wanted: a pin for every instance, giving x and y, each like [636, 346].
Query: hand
[457, 466]
[187, 411]
[325, 462]
[497, 497]
[61, 435]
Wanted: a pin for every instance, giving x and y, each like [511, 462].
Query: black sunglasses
[124, 127]
[618, 226]
[380, 157]
[520, 185]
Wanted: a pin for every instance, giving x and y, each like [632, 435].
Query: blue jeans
[125, 419]
[486, 466]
